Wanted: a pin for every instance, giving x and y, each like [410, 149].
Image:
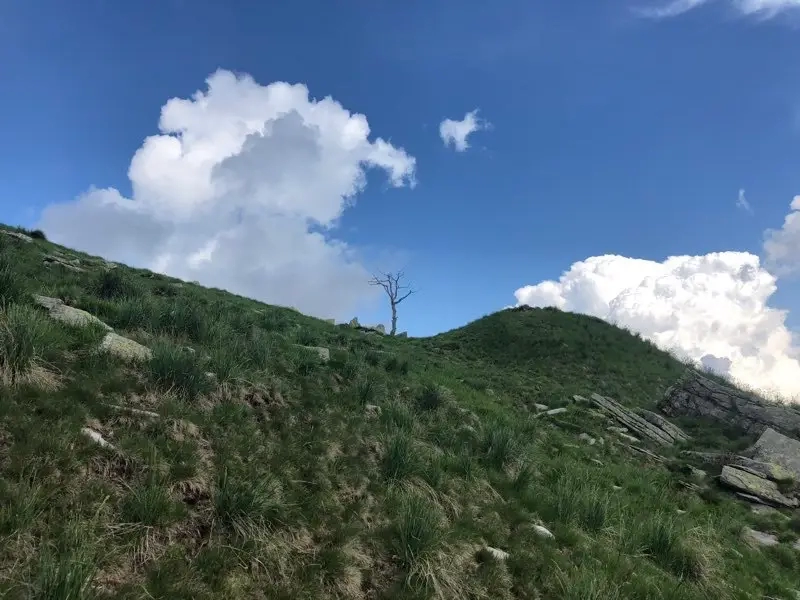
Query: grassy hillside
[238, 464]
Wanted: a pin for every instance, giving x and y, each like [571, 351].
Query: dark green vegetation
[381, 473]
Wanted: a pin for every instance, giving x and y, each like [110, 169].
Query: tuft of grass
[660, 537]
[499, 445]
[114, 284]
[24, 332]
[400, 458]
[431, 397]
[12, 288]
[369, 390]
[176, 369]
[149, 504]
[240, 502]
[416, 531]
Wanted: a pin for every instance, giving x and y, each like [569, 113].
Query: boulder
[125, 348]
[767, 470]
[698, 396]
[777, 449]
[759, 538]
[67, 314]
[756, 486]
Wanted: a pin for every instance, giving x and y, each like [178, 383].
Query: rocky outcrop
[18, 235]
[659, 421]
[698, 396]
[757, 486]
[638, 424]
[70, 264]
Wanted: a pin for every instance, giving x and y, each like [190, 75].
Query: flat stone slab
[18, 235]
[125, 348]
[755, 485]
[759, 537]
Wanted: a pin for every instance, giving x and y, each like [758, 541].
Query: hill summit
[163, 440]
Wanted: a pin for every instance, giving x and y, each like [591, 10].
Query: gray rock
[629, 438]
[580, 399]
[615, 429]
[67, 314]
[554, 411]
[587, 438]
[767, 470]
[759, 538]
[699, 396]
[541, 407]
[673, 430]
[757, 486]
[496, 553]
[777, 449]
[97, 437]
[542, 531]
[633, 421]
[70, 264]
[125, 348]
[372, 410]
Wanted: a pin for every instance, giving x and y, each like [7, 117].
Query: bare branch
[395, 290]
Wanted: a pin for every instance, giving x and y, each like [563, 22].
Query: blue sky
[610, 133]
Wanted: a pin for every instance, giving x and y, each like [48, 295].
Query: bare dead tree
[395, 290]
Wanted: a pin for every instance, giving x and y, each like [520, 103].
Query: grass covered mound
[236, 459]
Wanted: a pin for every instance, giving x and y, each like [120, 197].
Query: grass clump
[114, 284]
[178, 369]
[149, 504]
[240, 501]
[400, 458]
[24, 332]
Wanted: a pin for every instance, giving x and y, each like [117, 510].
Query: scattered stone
[759, 538]
[630, 438]
[587, 438]
[541, 407]
[779, 450]
[699, 396]
[543, 532]
[698, 474]
[135, 411]
[756, 486]
[67, 314]
[580, 399]
[323, 353]
[18, 235]
[615, 429]
[616, 487]
[758, 506]
[553, 411]
[372, 410]
[495, 553]
[633, 421]
[680, 511]
[125, 348]
[97, 437]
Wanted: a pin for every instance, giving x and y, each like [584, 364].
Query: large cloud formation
[240, 190]
[711, 309]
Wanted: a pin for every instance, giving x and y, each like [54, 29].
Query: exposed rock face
[70, 264]
[766, 470]
[777, 449]
[699, 396]
[659, 421]
[638, 424]
[67, 314]
[755, 485]
[125, 348]
[759, 538]
[18, 235]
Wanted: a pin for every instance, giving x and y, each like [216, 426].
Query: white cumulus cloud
[782, 246]
[241, 189]
[765, 9]
[712, 309]
[455, 133]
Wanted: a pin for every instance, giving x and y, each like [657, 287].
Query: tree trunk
[394, 319]
[699, 396]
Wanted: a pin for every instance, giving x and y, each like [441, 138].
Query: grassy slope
[275, 480]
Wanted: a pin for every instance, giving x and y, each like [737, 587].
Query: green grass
[267, 472]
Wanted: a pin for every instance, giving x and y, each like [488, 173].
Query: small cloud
[457, 132]
[765, 9]
[742, 203]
